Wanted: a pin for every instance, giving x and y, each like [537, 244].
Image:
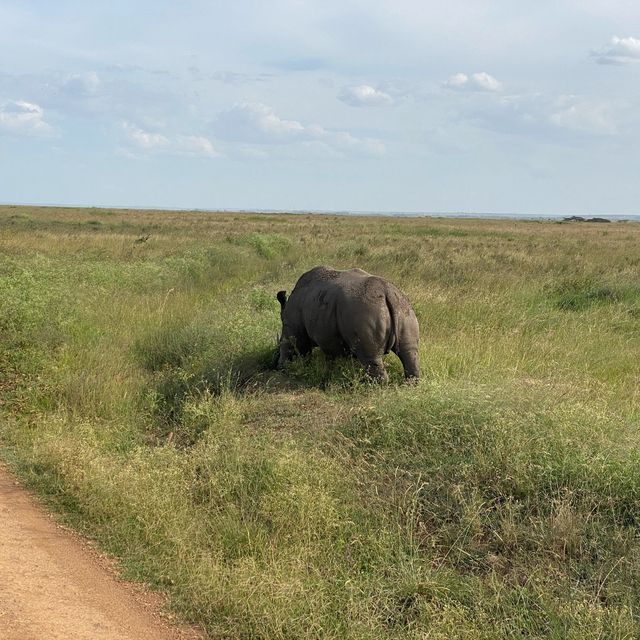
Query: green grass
[498, 498]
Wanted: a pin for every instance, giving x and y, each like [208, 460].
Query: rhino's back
[324, 277]
[352, 286]
[338, 308]
[324, 286]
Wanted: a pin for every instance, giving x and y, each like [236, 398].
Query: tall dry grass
[498, 498]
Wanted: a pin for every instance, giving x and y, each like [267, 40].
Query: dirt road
[53, 586]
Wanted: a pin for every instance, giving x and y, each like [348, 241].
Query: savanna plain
[497, 498]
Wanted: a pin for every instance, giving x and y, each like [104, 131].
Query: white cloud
[24, 118]
[151, 142]
[196, 145]
[480, 81]
[583, 116]
[618, 51]
[457, 80]
[486, 82]
[257, 123]
[144, 139]
[546, 117]
[347, 142]
[364, 95]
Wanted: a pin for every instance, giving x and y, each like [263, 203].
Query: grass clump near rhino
[499, 498]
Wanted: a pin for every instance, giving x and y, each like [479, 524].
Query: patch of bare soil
[54, 586]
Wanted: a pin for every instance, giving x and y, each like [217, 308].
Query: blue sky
[528, 106]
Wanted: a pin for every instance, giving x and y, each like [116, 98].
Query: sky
[504, 106]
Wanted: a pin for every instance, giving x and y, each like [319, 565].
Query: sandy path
[53, 586]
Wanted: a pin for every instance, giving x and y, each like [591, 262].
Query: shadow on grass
[339, 374]
[187, 359]
[174, 385]
[255, 372]
[185, 364]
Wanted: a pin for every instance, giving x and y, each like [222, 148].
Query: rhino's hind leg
[374, 367]
[410, 363]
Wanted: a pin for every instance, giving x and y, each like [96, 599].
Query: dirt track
[53, 586]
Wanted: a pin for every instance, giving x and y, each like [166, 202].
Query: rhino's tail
[392, 341]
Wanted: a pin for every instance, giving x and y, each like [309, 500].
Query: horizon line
[338, 212]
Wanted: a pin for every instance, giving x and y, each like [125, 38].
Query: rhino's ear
[282, 298]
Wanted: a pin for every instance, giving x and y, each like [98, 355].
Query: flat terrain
[53, 586]
[498, 498]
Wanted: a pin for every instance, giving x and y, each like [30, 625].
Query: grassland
[499, 498]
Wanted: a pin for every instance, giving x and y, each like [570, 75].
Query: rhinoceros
[349, 312]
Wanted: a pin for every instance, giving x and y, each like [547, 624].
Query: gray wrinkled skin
[349, 312]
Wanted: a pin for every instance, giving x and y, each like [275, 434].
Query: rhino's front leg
[286, 352]
[291, 345]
